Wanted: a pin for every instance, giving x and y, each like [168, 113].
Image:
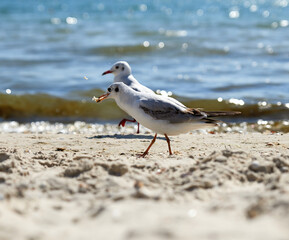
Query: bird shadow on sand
[128, 136]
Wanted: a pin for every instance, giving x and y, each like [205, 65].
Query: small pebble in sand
[3, 157]
[264, 167]
[138, 184]
[254, 166]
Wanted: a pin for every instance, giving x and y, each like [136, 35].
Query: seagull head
[113, 91]
[120, 68]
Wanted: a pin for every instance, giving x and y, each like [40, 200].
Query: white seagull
[158, 113]
[122, 73]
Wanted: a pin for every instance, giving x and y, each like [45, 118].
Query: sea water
[218, 55]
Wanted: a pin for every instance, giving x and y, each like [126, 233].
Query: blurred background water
[213, 54]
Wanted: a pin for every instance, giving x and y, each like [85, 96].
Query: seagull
[159, 114]
[122, 73]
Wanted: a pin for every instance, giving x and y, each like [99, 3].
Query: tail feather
[211, 121]
[217, 114]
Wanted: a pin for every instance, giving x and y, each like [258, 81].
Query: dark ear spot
[116, 89]
[122, 68]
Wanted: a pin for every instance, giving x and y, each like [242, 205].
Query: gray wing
[161, 109]
[176, 102]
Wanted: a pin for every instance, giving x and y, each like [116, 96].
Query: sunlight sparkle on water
[262, 104]
[236, 101]
[262, 122]
[266, 14]
[260, 45]
[269, 49]
[282, 3]
[71, 20]
[226, 48]
[284, 23]
[161, 44]
[184, 46]
[143, 7]
[179, 33]
[55, 20]
[164, 93]
[234, 14]
[146, 43]
[253, 8]
[274, 24]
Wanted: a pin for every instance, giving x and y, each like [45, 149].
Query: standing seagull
[122, 73]
[158, 113]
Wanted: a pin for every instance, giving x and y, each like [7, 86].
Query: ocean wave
[175, 48]
[31, 107]
[29, 62]
[233, 87]
[122, 49]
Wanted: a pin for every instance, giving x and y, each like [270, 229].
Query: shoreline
[222, 185]
[82, 127]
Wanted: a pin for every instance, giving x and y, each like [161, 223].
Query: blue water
[199, 49]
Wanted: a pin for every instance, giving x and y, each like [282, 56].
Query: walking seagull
[158, 113]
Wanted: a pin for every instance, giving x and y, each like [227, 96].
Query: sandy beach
[87, 186]
[68, 171]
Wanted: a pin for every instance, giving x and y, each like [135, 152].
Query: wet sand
[87, 186]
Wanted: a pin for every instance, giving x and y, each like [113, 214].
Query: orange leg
[168, 141]
[147, 151]
[123, 121]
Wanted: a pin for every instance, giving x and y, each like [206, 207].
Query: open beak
[101, 98]
[107, 72]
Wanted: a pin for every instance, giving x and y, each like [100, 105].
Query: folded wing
[163, 109]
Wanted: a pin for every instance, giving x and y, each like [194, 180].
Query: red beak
[107, 72]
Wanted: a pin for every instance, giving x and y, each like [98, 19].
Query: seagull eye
[109, 89]
[117, 67]
[117, 89]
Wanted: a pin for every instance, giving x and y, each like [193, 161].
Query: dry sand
[216, 186]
